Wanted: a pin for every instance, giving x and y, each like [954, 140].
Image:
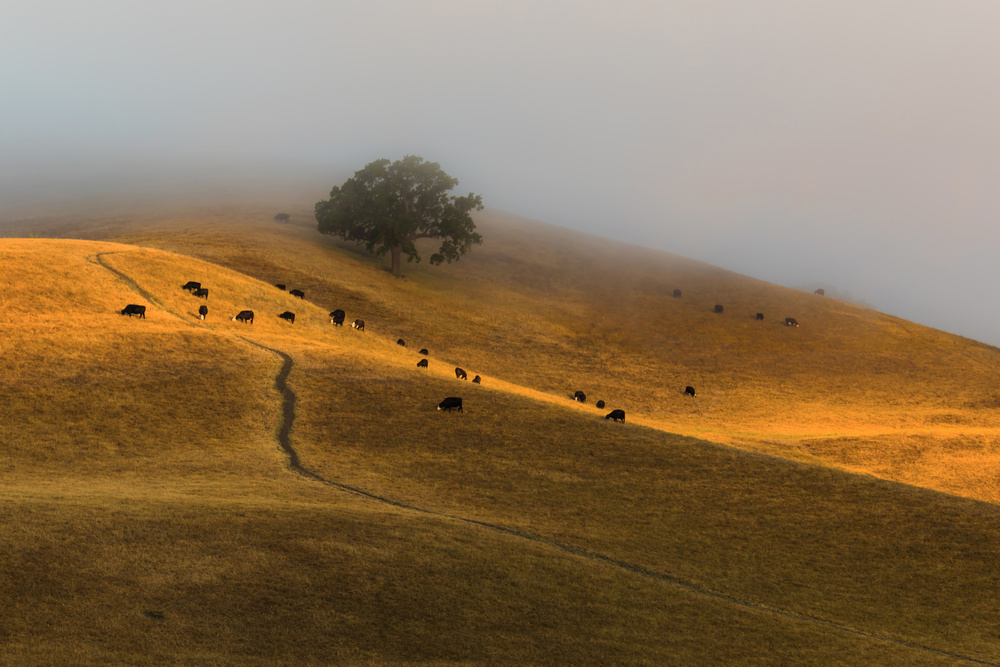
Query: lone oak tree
[389, 205]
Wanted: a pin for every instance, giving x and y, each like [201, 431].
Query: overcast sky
[852, 144]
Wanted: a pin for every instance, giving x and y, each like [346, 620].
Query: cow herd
[338, 316]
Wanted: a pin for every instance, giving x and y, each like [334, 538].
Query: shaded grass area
[133, 581]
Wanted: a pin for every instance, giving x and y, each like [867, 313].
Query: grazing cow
[280, 286]
[424, 352]
[202, 292]
[616, 415]
[460, 374]
[299, 293]
[359, 325]
[337, 317]
[401, 342]
[689, 391]
[422, 363]
[245, 316]
[451, 402]
[133, 309]
[760, 316]
[202, 312]
[791, 322]
[600, 405]
[191, 286]
[580, 396]
[477, 380]
[820, 291]
[718, 308]
[288, 316]
[677, 294]
[282, 217]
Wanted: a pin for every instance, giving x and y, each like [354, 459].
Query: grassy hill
[555, 311]
[153, 515]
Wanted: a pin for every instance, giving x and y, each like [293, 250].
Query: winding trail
[288, 400]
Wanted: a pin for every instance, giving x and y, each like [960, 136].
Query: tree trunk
[397, 256]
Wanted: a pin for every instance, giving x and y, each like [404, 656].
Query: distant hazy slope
[149, 480]
[560, 311]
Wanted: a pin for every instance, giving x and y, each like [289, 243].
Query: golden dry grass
[552, 311]
[141, 472]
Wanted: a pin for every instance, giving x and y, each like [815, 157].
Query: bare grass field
[152, 515]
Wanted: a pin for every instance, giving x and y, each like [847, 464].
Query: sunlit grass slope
[556, 311]
[150, 515]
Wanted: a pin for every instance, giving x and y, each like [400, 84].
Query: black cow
[245, 316]
[287, 315]
[424, 352]
[451, 402]
[820, 291]
[191, 286]
[600, 405]
[299, 293]
[422, 363]
[460, 374]
[677, 294]
[133, 309]
[689, 391]
[202, 292]
[401, 342]
[280, 286]
[616, 415]
[359, 325]
[718, 308]
[282, 217]
[760, 316]
[337, 317]
[477, 380]
[202, 311]
[791, 322]
[580, 396]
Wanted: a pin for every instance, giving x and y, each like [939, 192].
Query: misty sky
[850, 144]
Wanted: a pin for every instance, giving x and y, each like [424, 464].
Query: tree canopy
[389, 205]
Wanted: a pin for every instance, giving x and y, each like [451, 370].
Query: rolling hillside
[199, 492]
[557, 311]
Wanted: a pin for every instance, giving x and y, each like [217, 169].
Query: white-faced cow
[337, 317]
[134, 309]
[245, 316]
[616, 415]
[580, 396]
[202, 292]
[359, 325]
[191, 286]
[422, 363]
[689, 391]
[451, 402]
[287, 315]
[460, 374]
[299, 293]
[202, 312]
